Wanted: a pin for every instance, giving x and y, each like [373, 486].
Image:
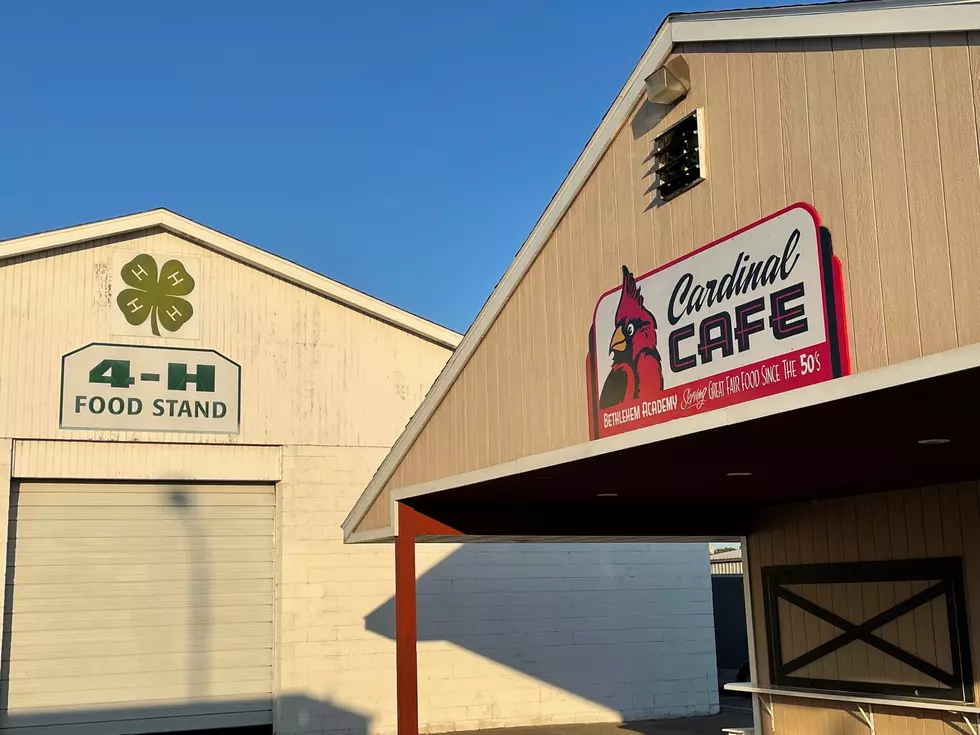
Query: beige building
[184, 422]
[767, 258]
[169, 533]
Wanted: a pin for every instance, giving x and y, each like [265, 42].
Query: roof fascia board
[860, 19]
[890, 376]
[372, 537]
[242, 252]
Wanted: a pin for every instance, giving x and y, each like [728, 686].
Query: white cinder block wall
[562, 633]
[512, 634]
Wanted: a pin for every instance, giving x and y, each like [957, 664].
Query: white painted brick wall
[510, 634]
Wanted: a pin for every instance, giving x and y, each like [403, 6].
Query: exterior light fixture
[739, 474]
[932, 442]
[669, 82]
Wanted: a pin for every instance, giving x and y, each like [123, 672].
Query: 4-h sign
[755, 313]
[136, 388]
[152, 299]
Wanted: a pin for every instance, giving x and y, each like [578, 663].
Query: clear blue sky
[404, 148]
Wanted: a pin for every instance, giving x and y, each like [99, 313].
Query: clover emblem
[156, 296]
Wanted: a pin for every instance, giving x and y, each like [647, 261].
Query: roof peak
[229, 246]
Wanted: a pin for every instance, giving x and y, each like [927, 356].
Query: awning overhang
[854, 435]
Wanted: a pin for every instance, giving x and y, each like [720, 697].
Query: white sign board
[134, 388]
[750, 315]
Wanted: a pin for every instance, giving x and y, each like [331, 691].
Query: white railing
[867, 716]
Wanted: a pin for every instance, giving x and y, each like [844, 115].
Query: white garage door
[137, 608]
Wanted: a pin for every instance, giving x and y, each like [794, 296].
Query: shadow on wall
[300, 714]
[625, 626]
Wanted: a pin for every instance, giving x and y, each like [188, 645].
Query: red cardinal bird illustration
[636, 370]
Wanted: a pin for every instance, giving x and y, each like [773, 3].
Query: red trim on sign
[590, 389]
[843, 345]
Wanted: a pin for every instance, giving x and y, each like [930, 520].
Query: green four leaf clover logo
[156, 296]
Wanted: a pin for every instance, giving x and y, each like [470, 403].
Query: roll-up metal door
[137, 608]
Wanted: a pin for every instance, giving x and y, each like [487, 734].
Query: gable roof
[240, 251]
[835, 19]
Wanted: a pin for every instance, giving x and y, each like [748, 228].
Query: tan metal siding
[925, 522]
[878, 133]
[930, 247]
[288, 341]
[123, 597]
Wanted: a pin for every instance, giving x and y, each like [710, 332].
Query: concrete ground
[735, 712]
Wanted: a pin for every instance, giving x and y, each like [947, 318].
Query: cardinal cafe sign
[753, 314]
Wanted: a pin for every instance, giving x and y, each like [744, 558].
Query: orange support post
[411, 524]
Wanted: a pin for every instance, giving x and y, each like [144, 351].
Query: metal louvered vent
[678, 155]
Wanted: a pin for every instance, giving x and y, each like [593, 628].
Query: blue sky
[404, 148]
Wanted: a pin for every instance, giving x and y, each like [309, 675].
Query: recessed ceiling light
[607, 495]
[739, 474]
[930, 442]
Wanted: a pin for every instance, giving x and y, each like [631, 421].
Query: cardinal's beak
[618, 341]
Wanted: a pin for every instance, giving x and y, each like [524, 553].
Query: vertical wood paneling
[821, 96]
[768, 116]
[839, 597]
[794, 121]
[681, 233]
[856, 600]
[491, 352]
[556, 361]
[624, 187]
[515, 355]
[465, 413]
[901, 320]
[606, 215]
[547, 343]
[933, 284]
[957, 124]
[967, 511]
[702, 216]
[927, 522]
[744, 134]
[718, 122]
[506, 389]
[812, 631]
[535, 391]
[642, 162]
[681, 227]
[591, 233]
[898, 534]
[574, 262]
[860, 226]
[886, 591]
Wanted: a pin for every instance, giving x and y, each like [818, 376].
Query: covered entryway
[809, 452]
[138, 608]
